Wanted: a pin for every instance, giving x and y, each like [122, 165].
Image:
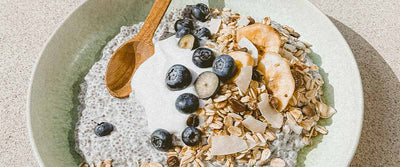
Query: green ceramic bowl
[77, 43]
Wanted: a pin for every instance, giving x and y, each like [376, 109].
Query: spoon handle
[153, 20]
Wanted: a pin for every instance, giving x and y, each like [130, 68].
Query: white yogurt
[150, 89]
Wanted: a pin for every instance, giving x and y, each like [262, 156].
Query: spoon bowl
[123, 65]
[130, 55]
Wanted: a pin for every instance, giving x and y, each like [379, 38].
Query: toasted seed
[193, 120]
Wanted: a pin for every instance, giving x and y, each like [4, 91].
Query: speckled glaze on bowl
[77, 43]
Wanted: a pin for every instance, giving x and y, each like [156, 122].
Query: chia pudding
[151, 105]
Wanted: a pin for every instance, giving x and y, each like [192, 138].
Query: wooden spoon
[130, 55]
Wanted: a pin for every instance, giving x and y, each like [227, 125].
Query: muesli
[222, 89]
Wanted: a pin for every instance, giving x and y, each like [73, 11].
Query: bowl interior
[78, 42]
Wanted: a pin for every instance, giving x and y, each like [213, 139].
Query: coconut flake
[244, 78]
[251, 144]
[270, 114]
[254, 125]
[214, 25]
[224, 145]
[293, 125]
[251, 48]
[243, 21]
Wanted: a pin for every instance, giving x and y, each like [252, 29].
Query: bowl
[76, 45]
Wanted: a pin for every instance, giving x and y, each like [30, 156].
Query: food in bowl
[221, 89]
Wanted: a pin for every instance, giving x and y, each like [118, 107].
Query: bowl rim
[359, 124]
[35, 150]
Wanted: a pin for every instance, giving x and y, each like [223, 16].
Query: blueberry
[189, 41]
[206, 85]
[178, 77]
[225, 67]
[191, 136]
[200, 11]
[161, 140]
[203, 32]
[187, 103]
[203, 57]
[182, 32]
[183, 23]
[103, 129]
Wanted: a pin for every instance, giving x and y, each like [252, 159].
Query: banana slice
[242, 59]
[278, 77]
[265, 37]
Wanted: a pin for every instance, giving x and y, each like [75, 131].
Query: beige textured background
[371, 27]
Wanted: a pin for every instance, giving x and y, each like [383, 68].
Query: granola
[234, 116]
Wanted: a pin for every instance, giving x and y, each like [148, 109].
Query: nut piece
[173, 161]
[237, 105]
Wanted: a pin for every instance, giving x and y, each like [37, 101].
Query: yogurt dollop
[149, 88]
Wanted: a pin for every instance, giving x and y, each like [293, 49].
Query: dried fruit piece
[279, 78]
[264, 37]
